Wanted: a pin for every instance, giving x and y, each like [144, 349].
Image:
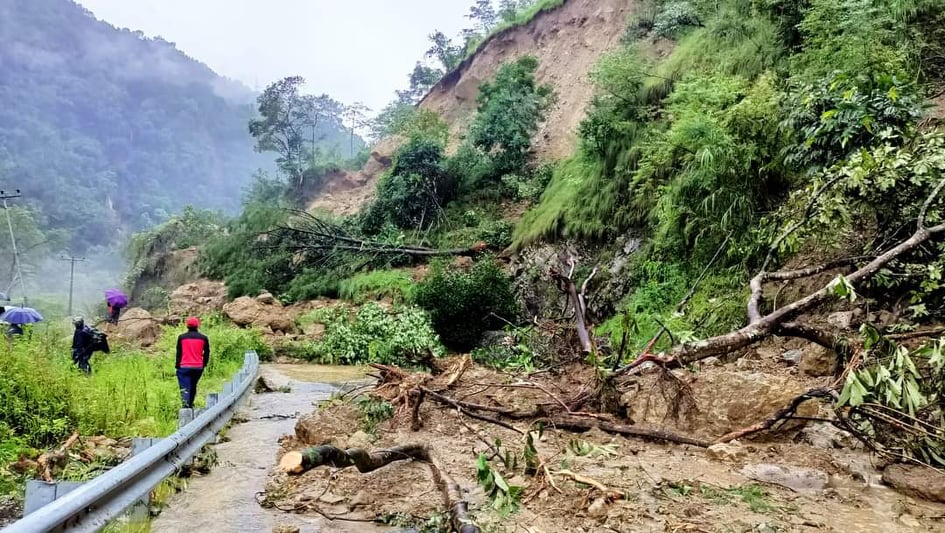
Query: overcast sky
[354, 50]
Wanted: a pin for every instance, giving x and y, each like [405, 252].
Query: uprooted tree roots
[364, 461]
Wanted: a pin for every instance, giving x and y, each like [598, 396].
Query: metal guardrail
[96, 503]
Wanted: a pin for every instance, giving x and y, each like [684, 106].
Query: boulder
[286, 528]
[266, 298]
[792, 357]
[793, 477]
[828, 436]
[245, 311]
[136, 326]
[842, 320]
[723, 400]
[916, 481]
[726, 451]
[818, 361]
[199, 298]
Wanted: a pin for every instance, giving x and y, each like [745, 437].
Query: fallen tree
[307, 233]
[760, 327]
[298, 462]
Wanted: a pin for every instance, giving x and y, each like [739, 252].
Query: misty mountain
[106, 131]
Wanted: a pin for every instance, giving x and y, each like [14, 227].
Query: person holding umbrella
[116, 300]
[17, 316]
[193, 354]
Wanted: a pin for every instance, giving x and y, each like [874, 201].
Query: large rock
[916, 481]
[723, 399]
[200, 298]
[792, 477]
[818, 361]
[245, 311]
[726, 451]
[136, 326]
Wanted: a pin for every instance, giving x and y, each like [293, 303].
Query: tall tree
[445, 51]
[355, 116]
[484, 15]
[422, 79]
[281, 126]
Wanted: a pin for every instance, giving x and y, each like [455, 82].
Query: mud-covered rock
[828, 436]
[792, 477]
[245, 311]
[286, 528]
[726, 451]
[916, 481]
[266, 298]
[199, 298]
[713, 402]
[330, 426]
[818, 361]
[136, 326]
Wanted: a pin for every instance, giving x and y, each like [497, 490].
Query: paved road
[224, 500]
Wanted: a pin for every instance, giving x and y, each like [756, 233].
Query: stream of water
[225, 499]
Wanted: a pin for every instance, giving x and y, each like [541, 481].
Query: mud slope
[567, 42]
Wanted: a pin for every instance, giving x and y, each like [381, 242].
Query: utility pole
[72, 260]
[16, 256]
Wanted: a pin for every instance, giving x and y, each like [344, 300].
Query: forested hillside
[106, 130]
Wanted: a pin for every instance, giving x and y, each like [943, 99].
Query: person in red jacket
[193, 354]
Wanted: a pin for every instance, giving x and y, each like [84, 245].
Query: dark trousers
[187, 379]
[82, 359]
[113, 314]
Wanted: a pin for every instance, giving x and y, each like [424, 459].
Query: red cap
[193, 322]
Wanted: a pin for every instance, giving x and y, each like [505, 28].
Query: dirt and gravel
[806, 477]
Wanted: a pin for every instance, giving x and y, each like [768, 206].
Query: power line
[72, 260]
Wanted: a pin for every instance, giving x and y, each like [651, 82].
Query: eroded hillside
[567, 41]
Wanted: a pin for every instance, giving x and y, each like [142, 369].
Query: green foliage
[510, 109]
[463, 303]
[374, 411]
[402, 336]
[895, 398]
[505, 498]
[675, 17]
[130, 393]
[839, 115]
[155, 299]
[416, 188]
[397, 285]
[514, 354]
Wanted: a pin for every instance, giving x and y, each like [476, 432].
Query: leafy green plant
[505, 498]
[463, 303]
[402, 336]
[510, 109]
[374, 411]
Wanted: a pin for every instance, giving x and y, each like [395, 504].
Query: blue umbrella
[21, 315]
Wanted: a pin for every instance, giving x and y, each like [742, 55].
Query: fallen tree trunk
[305, 460]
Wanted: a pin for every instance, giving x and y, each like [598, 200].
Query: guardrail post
[212, 399]
[184, 417]
[40, 493]
[141, 510]
[228, 388]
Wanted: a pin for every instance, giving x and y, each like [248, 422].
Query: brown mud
[650, 486]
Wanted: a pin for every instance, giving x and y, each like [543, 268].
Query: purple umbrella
[116, 298]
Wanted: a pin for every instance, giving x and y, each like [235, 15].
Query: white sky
[354, 50]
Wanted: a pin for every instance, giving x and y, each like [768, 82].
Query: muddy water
[225, 499]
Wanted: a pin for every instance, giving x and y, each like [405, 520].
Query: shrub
[416, 188]
[402, 336]
[510, 110]
[462, 303]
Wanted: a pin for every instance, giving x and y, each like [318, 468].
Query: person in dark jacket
[82, 345]
[114, 311]
[193, 354]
